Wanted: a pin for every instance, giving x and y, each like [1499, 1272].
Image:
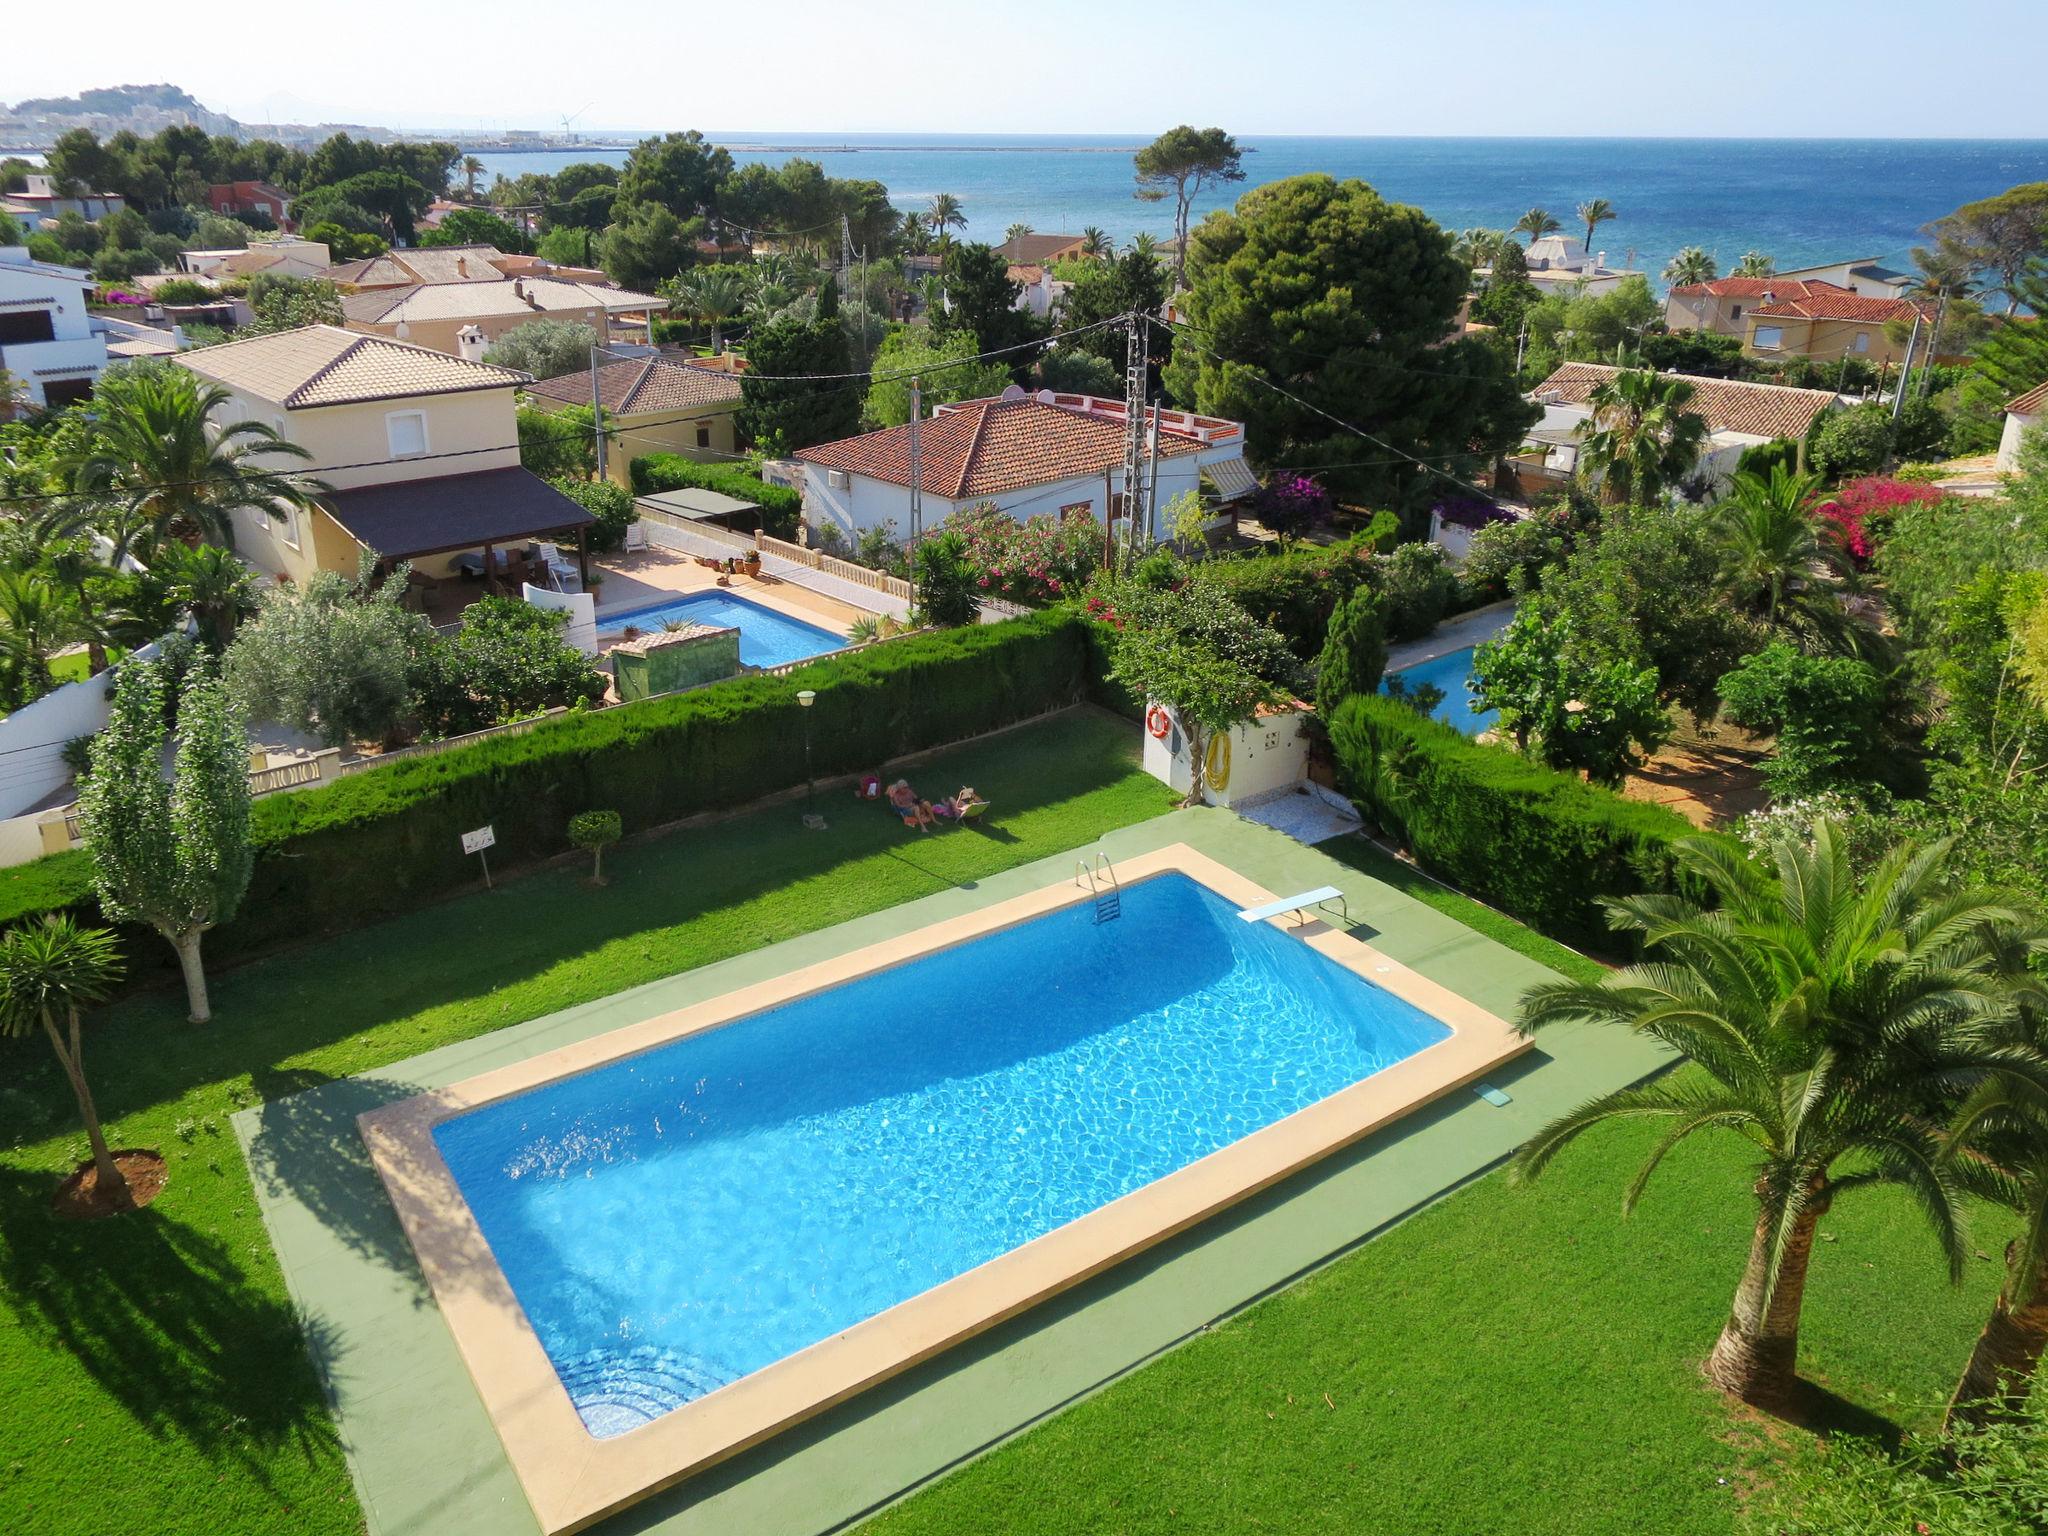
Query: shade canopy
[412, 518]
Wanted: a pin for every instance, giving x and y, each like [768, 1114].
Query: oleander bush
[1541, 845]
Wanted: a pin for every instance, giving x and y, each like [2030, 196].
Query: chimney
[462, 266]
[519, 288]
[1600, 260]
[469, 344]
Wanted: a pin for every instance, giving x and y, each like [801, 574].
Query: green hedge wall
[1295, 589]
[780, 506]
[1541, 845]
[387, 840]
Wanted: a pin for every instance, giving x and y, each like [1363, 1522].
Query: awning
[1232, 477]
[410, 518]
[696, 502]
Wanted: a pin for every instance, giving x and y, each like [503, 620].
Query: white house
[1038, 292]
[1864, 275]
[40, 200]
[1030, 455]
[1739, 417]
[2021, 416]
[1559, 264]
[287, 257]
[48, 343]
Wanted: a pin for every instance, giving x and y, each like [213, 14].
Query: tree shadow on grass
[162, 1317]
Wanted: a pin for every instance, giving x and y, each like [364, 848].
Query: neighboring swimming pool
[1452, 672]
[767, 638]
[681, 1219]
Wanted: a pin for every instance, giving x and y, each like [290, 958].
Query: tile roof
[1753, 410]
[637, 385]
[1757, 288]
[1037, 250]
[986, 447]
[2031, 403]
[534, 296]
[422, 264]
[1829, 303]
[325, 365]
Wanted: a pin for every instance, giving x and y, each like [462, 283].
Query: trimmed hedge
[780, 506]
[387, 840]
[1541, 845]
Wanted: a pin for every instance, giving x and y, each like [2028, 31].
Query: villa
[1827, 324]
[2022, 416]
[655, 404]
[41, 202]
[1560, 264]
[1031, 455]
[49, 345]
[233, 197]
[1042, 250]
[432, 314]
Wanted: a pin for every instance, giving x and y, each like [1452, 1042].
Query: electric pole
[1906, 368]
[597, 412]
[916, 485]
[1134, 428]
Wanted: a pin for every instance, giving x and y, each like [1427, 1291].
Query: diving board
[1321, 896]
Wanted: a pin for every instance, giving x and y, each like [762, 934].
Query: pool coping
[572, 1480]
[612, 623]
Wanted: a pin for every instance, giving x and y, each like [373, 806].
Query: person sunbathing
[959, 805]
[904, 802]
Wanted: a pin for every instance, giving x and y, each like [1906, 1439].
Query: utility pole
[1152, 480]
[597, 412]
[1906, 368]
[1521, 346]
[1134, 428]
[916, 484]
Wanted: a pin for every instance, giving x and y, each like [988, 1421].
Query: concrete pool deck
[423, 1452]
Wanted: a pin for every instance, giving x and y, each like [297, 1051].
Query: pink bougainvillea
[1861, 508]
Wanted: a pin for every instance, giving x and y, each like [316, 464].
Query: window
[703, 437]
[287, 526]
[1735, 312]
[406, 431]
[1863, 341]
[1770, 336]
[26, 325]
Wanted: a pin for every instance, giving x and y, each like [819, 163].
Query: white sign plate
[479, 840]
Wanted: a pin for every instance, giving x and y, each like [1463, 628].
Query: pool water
[767, 638]
[1452, 673]
[677, 1220]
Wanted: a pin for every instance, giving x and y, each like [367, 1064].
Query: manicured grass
[152, 1373]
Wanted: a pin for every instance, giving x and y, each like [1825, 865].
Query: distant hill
[114, 101]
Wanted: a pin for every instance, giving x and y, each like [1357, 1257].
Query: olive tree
[170, 854]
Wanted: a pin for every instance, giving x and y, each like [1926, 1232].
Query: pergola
[448, 514]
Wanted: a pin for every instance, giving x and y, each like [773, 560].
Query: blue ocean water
[1804, 201]
[767, 638]
[1452, 672]
[678, 1220]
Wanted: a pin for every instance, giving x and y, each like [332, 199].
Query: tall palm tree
[1822, 1014]
[158, 468]
[1016, 232]
[944, 212]
[916, 234]
[1754, 264]
[213, 586]
[1095, 242]
[1691, 265]
[1536, 223]
[1593, 213]
[99, 624]
[48, 970]
[713, 297]
[1145, 245]
[472, 168]
[1776, 559]
[1999, 1141]
[1477, 247]
[1641, 438]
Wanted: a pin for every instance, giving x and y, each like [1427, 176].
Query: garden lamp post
[805, 698]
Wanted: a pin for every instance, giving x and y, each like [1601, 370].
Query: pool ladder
[1101, 880]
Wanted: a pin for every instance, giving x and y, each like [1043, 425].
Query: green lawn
[152, 1376]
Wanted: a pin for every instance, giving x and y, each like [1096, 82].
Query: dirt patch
[79, 1197]
[1712, 781]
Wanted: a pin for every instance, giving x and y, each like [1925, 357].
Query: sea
[1804, 202]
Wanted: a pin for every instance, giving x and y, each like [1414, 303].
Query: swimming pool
[1452, 672]
[767, 638]
[659, 1245]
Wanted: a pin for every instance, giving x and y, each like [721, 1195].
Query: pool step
[1101, 879]
[1109, 905]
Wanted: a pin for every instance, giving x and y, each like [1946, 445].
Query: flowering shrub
[1472, 512]
[1862, 507]
[1030, 562]
[1289, 503]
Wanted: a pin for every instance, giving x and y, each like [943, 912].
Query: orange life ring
[1158, 721]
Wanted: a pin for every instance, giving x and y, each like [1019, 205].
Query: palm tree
[1016, 232]
[1536, 223]
[1593, 213]
[713, 296]
[32, 613]
[1477, 247]
[1771, 546]
[944, 213]
[1641, 437]
[1144, 245]
[1095, 242]
[1999, 1141]
[157, 468]
[472, 168]
[1691, 265]
[48, 970]
[213, 586]
[77, 573]
[1754, 264]
[1821, 1015]
[1946, 277]
[916, 234]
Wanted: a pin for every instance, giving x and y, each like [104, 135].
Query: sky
[1601, 68]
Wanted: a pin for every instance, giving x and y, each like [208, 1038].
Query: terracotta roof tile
[1038, 250]
[324, 365]
[637, 385]
[538, 297]
[2032, 403]
[986, 447]
[1757, 288]
[1837, 304]
[1754, 410]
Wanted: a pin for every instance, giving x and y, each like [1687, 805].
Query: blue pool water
[1453, 674]
[767, 638]
[675, 1221]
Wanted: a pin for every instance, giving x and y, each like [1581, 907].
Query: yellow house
[421, 451]
[433, 314]
[1827, 324]
[656, 405]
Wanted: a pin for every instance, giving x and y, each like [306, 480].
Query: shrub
[185, 290]
[611, 505]
[596, 831]
[1289, 504]
[1765, 457]
[1539, 844]
[386, 840]
[1852, 442]
[508, 661]
[1863, 509]
[1417, 588]
[1355, 654]
[947, 588]
[1827, 713]
[780, 506]
[1294, 590]
[1035, 562]
[547, 349]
